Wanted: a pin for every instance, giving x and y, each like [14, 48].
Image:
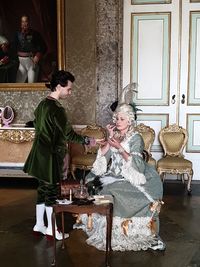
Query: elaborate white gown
[137, 191]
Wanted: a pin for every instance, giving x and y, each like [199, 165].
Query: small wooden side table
[103, 209]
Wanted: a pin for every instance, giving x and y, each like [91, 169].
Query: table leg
[53, 219]
[109, 217]
[63, 230]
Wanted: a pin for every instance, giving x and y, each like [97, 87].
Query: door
[161, 53]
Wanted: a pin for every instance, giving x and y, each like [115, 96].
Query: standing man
[46, 159]
[30, 48]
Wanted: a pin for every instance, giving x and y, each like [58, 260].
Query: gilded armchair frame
[148, 135]
[175, 153]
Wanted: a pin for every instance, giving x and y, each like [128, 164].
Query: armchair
[173, 139]
[81, 156]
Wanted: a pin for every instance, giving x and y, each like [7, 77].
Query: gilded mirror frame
[60, 54]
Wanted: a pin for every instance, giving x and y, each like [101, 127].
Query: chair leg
[180, 177]
[162, 176]
[183, 178]
[189, 190]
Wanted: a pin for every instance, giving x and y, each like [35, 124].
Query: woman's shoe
[159, 245]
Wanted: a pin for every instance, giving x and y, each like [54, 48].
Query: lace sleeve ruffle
[130, 174]
[100, 165]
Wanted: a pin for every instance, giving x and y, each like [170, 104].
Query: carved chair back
[148, 135]
[96, 132]
[173, 139]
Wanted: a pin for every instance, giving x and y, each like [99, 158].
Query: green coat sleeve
[65, 127]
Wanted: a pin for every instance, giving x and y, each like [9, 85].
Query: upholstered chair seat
[173, 139]
[80, 160]
[176, 162]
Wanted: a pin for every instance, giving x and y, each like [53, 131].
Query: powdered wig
[127, 110]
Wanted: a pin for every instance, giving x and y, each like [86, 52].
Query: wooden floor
[179, 228]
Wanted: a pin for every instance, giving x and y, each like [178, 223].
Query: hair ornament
[126, 98]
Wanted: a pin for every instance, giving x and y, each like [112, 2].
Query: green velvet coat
[52, 132]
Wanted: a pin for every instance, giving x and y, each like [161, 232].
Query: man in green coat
[46, 158]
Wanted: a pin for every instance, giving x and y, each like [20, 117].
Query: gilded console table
[15, 145]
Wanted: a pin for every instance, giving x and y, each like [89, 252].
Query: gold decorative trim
[188, 171]
[61, 33]
[152, 2]
[17, 136]
[175, 171]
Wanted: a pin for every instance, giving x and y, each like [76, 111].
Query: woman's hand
[110, 128]
[115, 143]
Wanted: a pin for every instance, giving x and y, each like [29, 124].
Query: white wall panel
[196, 135]
[193, 126]
[157, 122]
[197, 76]
[194, 59]
[150, 59]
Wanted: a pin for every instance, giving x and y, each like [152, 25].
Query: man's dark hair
[60, 77]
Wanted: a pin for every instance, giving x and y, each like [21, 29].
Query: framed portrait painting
[31, 42]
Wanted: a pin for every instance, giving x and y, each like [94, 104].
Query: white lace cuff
[133, 176]
[100, 165]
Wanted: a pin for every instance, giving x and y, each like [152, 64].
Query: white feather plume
[128, 93]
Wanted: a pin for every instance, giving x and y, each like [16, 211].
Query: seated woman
[134, 184]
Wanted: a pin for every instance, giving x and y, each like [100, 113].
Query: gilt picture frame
[150, 2]
[58, 41]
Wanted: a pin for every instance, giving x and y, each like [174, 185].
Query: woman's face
[122, 122]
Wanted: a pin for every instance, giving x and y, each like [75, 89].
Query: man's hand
[4, 60]
[101, 142]
[35, 60]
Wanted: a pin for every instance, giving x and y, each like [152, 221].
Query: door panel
[150, 44]
[161, 53]
[189, 112]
